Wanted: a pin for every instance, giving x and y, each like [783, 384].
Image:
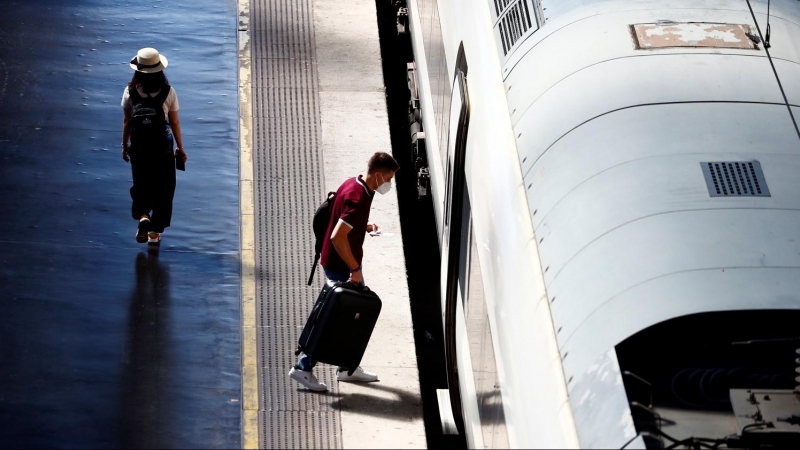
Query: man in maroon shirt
[343, 252]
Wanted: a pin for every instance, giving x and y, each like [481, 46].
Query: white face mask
[384, 187]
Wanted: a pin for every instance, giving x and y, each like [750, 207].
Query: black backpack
[147, 120]
[322, 218]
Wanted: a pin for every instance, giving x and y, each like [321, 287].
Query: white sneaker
[358, 375]
[142, 229]
[307, 379]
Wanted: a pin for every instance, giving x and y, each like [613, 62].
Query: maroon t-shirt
[352, 204]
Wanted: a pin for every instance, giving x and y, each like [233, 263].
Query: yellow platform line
[250, 395]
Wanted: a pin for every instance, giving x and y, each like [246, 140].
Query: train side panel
[527, 365]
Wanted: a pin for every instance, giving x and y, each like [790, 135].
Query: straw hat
[148, 60]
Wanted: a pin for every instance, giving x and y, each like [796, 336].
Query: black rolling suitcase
[338, 330]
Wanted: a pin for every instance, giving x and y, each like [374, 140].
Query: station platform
[106, 343]
[312, 112]
[103, 343]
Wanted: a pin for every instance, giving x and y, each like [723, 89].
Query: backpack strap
[137, 98]
[134, 95]
[329, 198]
[162, 96]
[313, 269]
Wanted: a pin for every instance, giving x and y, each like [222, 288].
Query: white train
[617, 190]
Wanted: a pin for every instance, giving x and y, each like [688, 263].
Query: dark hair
[150, 82]
[383, 162]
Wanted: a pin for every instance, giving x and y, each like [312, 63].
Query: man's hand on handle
[356, 278]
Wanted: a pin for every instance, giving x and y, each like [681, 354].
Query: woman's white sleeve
[126, 100]
[172, 100]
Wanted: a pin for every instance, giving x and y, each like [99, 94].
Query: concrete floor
[355, 125]
[102, 343]
[354, 122]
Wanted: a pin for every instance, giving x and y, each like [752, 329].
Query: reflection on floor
[102, 343]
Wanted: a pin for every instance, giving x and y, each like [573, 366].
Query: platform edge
[250, 396]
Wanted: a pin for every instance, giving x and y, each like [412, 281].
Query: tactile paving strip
[287, 189]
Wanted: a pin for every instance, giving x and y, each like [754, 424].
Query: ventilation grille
[514, 23]
[735, 179]
[501, 5]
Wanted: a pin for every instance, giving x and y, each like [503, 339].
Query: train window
[452, 245]
[484, 368]
[458, 108]
[466, 254]
[444, 124]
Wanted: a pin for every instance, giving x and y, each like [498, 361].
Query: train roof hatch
[668, 34]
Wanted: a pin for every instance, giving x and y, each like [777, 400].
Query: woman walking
[151, 124]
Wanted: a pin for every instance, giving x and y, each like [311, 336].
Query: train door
[453, 230]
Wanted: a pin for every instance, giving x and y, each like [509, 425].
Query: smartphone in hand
[180, 164]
